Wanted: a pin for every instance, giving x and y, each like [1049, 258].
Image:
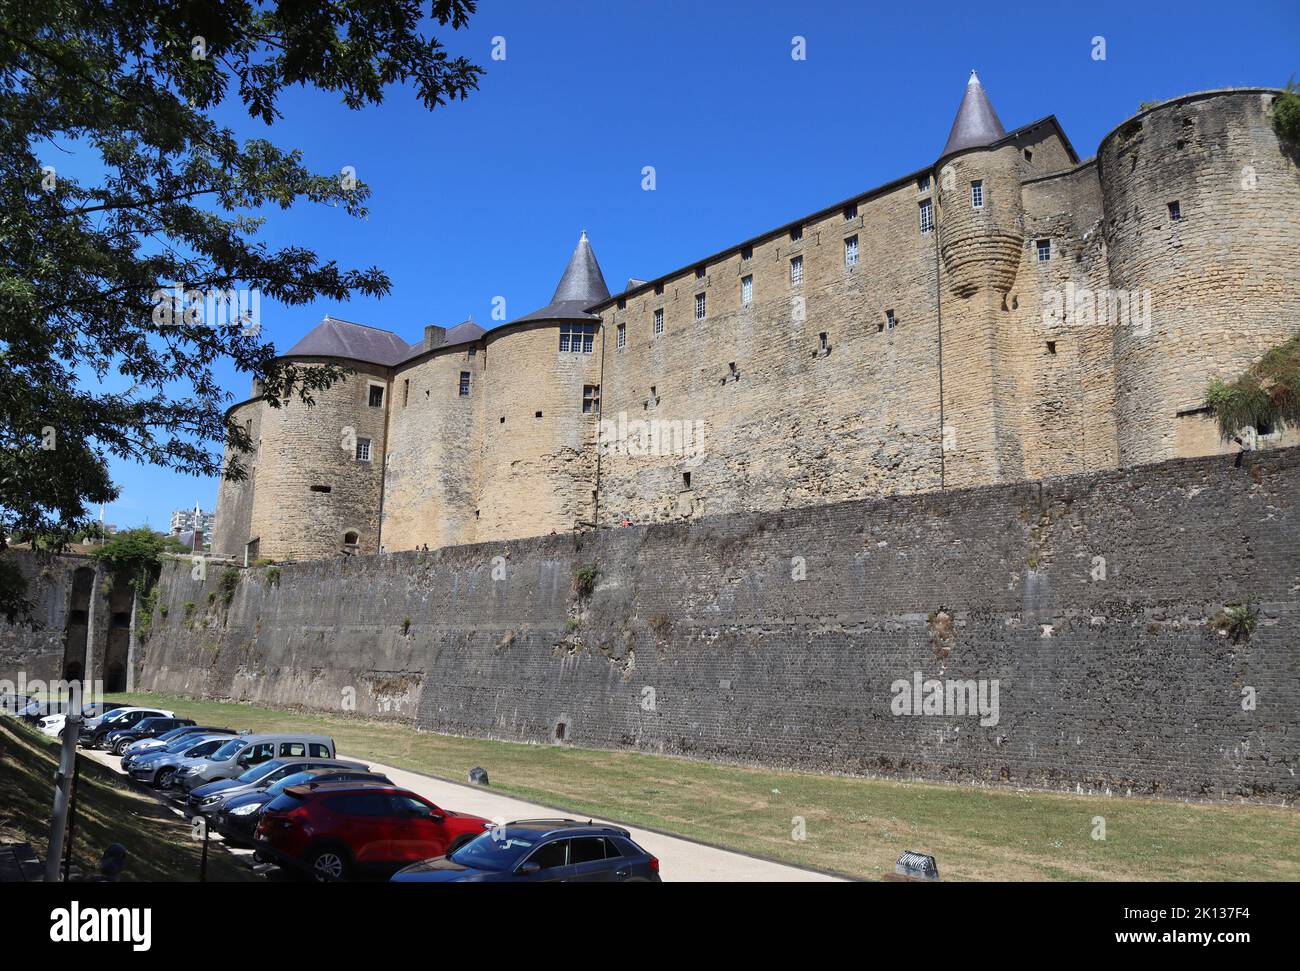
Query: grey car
[238, 756]
[159, 767]
[208, 799]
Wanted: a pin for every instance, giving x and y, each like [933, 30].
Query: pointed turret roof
[581, 286]
[976, 123]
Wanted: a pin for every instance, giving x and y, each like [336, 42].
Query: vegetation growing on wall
[1266, 395]
[1286, 115]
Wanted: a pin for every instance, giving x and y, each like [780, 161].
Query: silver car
[209, 798]
[240, 754]
[157, 768]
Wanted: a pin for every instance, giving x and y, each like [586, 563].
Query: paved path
[679, 859]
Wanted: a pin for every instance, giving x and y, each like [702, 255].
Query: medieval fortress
[1006, 313]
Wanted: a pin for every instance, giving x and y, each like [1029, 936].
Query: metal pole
[72, 817]
[62, 787]
[203, 863]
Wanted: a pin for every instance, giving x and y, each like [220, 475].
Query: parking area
[675, 858]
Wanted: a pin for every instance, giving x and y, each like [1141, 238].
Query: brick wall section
[1115, 684]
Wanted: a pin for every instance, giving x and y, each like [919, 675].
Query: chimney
[434, 336]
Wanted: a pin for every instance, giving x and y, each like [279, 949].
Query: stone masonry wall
[776, 638]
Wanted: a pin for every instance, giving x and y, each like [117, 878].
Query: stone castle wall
[777, 637]
[805, 395]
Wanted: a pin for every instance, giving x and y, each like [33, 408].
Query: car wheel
[163, 779]
[120, 747]
[329, 864]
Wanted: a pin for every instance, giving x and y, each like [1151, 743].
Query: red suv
[336, 830]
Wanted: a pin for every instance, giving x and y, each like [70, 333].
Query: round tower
[980, 215]
[541, 410]
[1201, 208]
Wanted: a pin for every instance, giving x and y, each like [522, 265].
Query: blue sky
[487, 197]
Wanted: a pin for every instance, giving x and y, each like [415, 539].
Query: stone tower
[980, 236]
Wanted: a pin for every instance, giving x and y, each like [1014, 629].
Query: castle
[1008, 312]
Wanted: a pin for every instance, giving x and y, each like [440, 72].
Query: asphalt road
[679, 859]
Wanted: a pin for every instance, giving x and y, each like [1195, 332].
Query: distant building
[185, 523]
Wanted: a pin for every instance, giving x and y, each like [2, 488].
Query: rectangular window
[1029, 155]
[622, 336]
[923, 184]
[889, 320]
[851, 251]
[577, 338]
[590, 399]
[406, 392]
[927, 216]
[659, 289]
[796, 234]
[699, 273]
[747, 252]
[1175, 211]
[977, 194]
[659, 321]
[746, 289]
[464, 384]
[363, 450]
[796, 271]
[1044, 250]
[850, 212]
[376, 396]
[701, 306]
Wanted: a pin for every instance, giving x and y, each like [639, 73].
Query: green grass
[159, 845]
[853, 826]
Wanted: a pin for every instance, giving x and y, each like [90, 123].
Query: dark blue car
[541, 851]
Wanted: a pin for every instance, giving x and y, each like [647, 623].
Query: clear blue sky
[487, 197]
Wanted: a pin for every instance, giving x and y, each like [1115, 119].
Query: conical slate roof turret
[581, 286]
[976, 123]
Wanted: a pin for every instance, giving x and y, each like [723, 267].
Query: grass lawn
[853, 826]
[158, 843]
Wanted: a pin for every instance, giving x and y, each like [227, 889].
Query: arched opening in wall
[77, 627]
[351, 540]
[560, 731]
[119, 634]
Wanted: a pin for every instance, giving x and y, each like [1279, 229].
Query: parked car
[541, 851]
[339, 830]
[52, 725]
[241, 754]
[207, 799]
[237, 816]
[118, 718]
[166, 738]
[158, 768]
[118, 739]
[11, 704]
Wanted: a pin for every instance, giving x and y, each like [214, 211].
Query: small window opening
[686, 479]
[537, 414]
[699, 272]
[1029, 155]
[322, 488]
[1051, 347]
[376, 396]
[747, 252]
[1175, 211]
[796, 234]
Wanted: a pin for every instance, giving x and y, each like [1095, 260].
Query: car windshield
[168, 735]
[260, 771]
[488, 853]
[115, 714]
[203, 748]
[182, 743]
[227, 750]
[289, 780]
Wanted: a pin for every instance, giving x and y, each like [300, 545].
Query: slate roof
[357, 342]
[976, 124]
[581, 286]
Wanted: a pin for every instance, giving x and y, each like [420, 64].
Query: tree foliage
[177, 201]
[1286, 115]
[1266, 395]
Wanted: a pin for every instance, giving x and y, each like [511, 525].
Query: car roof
[326, 788]
[566, 827]
[282, 737]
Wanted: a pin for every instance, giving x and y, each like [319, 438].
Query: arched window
[350, 538]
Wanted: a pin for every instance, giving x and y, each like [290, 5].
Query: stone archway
[76, 629]
[119, 634]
